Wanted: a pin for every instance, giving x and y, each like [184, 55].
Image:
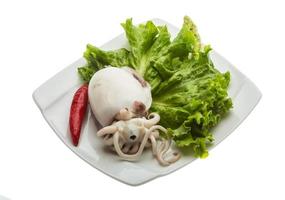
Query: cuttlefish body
[120, 100]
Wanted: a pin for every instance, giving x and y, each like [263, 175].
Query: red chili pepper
[77, 112]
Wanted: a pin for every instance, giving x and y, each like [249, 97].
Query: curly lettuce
[188, 92]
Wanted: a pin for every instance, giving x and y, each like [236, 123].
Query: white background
[39, 38]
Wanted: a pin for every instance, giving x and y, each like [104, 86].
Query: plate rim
[80, 154]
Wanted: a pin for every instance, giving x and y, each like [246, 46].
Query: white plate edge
[82, 156]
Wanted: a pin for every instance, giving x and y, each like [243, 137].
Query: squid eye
[133, 137]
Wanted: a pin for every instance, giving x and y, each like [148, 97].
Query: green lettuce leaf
[188, 92]
[98, 59]
[147, 44]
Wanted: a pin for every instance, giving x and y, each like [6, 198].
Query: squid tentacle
[127, 150]
[134, 149]
[129, 157]
[154, 145]
[174, 157]
[161, 156]
[162, 149]
[153, 118]
[107, 130]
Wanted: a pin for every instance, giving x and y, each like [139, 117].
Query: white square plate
[54, 98]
